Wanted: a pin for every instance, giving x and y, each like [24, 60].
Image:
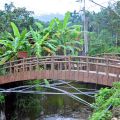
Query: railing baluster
[30, 66]
[37, 63]
[87, 60]
[118, 73]
[65, 63]
[45, 66]
[69, 63]
[10, 68]
[97, 68]
[78, 66]
[60, 65]
[107, 68]
[23, 64]
[52, 64]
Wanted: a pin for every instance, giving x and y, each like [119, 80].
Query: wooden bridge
[86, 69]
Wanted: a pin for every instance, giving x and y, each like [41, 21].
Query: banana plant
[42, 41]
[13, 43]
[68, 37]
[58, 37]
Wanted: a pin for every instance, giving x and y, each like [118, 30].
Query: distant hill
[46, 18]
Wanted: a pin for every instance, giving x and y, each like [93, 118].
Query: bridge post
[23, 64]
[97, 70]
[87, 60]
[60, 66]
[87, 69]
[37, 67]
[107, 69]
[45, 68]
[30, 66]
[10, 67]
[52, 62]
[78, 64]
[118, 73]
[65, 63]
[69, 62]
[52, 66]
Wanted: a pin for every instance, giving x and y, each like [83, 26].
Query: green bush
[105, 100]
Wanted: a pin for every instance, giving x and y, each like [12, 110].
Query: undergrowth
[105, 100]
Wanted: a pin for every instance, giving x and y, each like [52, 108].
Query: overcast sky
[42, 7]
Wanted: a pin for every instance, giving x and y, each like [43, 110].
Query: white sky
[41, 7]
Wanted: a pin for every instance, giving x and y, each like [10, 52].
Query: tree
[75, 18]
[105, 25]
[20, 16]
[13, 43]
[41, 42]
[57, 38]
[68, 37]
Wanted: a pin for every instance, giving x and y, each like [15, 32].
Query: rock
[2, 116]
[114, 118]
[116, 113]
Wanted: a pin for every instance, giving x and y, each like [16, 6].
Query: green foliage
[102, 43]
[104, 30]
[105, 99]
[15, 30]
[12, 44]
[67, 37]
[57, 38]
[99, 43]
[42, 41]
[20, 16]
[2, 98]
[47, 82]
[75, 18]
[34, 82]
[27, 106]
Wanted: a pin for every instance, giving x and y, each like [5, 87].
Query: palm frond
[15, 30]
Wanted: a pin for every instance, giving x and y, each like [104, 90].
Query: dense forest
[103, 29]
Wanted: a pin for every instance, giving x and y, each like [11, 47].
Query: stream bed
[47, 107]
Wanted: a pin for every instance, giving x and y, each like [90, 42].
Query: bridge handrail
[110, 55]
[81, 58]
[64, 63]
[75, 62]
[64, 57]
[84, 68]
